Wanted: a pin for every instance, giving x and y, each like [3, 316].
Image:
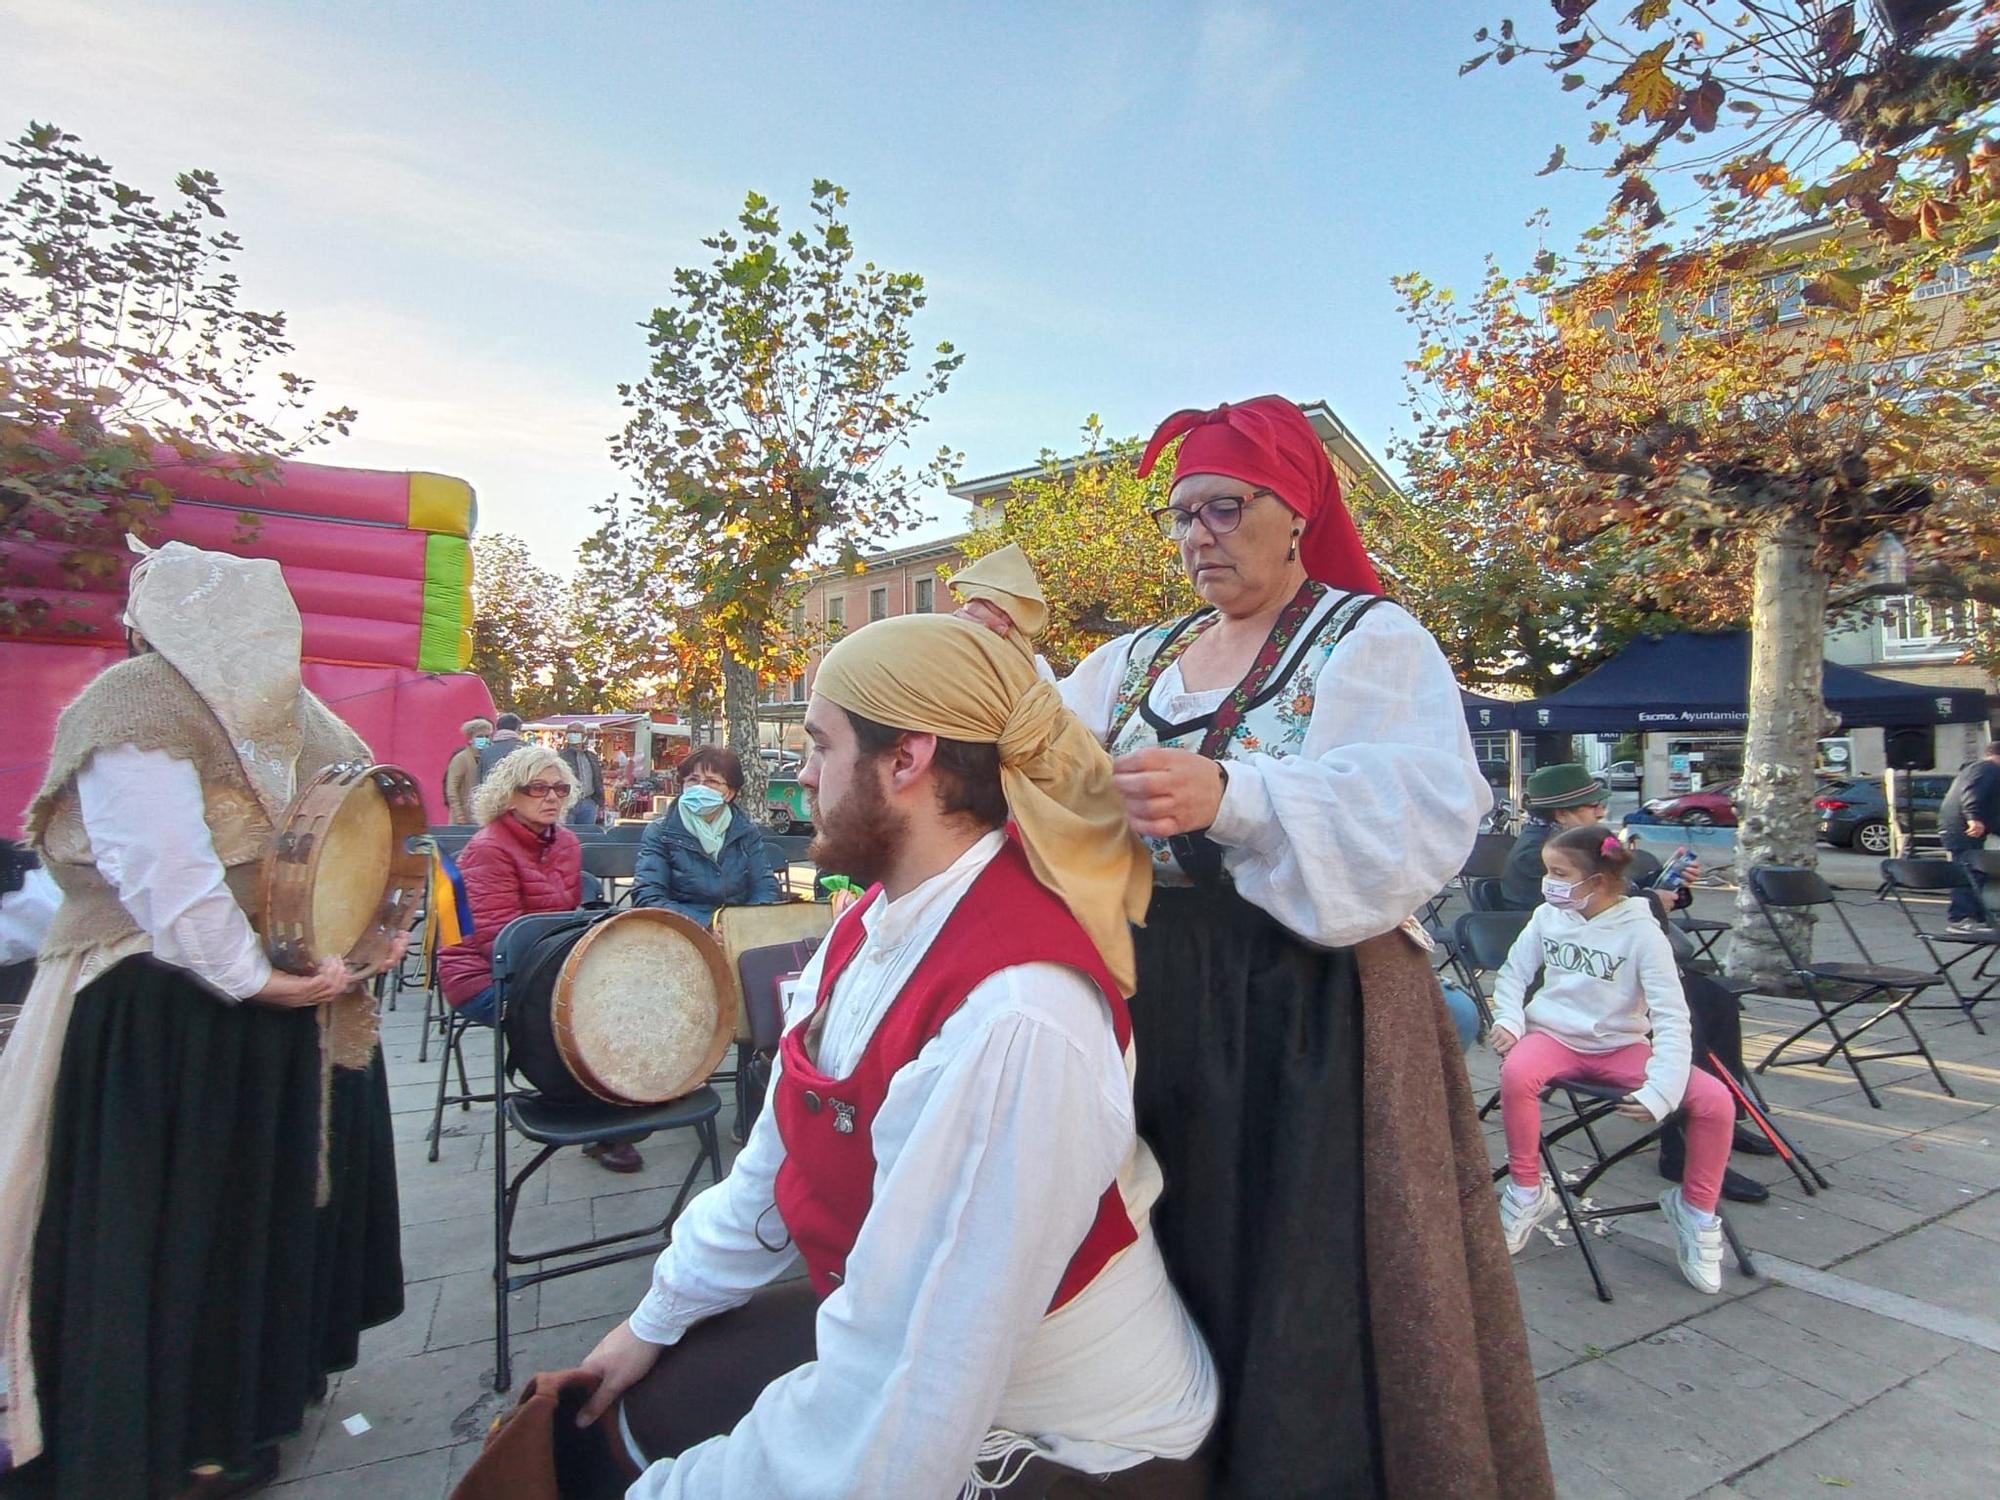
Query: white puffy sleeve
[1091, 691]
[142, 810]
[1346, 839]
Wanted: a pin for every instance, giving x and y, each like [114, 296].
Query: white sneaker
[1700, 1244]
[1518, 1216]
[1964, 925]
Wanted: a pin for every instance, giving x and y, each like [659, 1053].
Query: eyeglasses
[707, 778]
[1221, 515]
[541, 789]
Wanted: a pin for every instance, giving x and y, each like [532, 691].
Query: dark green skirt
[189, 1297]
[1248, 1044]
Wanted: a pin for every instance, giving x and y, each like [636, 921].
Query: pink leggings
[1710, 1113]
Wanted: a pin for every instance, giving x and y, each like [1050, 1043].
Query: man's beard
[861, 837]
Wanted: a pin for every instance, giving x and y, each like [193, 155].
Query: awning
[1484, 715]
[1701, 683]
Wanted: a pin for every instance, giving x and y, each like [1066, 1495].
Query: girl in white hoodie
[1608, 979]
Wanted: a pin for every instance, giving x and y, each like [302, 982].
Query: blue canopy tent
[1484, 715]
[1697, 683]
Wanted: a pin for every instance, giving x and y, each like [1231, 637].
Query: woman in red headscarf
[1295, 755]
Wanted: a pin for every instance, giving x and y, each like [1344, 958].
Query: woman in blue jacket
[704, 851]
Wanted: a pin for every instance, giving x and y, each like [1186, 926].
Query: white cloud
[1248, 58]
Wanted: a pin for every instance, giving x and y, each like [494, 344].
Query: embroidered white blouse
[1376, 809]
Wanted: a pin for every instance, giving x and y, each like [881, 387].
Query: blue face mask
[703, 801]
[481, 741]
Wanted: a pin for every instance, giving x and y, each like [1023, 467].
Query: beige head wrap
[1006, 580]
[229, 626]
[938, 675]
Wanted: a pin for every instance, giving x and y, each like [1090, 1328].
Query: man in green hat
[1568, 796]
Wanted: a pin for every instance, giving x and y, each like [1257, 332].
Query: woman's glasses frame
[541, 791]
[1221, 514]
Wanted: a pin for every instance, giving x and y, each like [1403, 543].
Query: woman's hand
[1168, 791]
[325, 984]
[398, 946]
[620, 1360]
[1502, 1039]
[1632, 1109]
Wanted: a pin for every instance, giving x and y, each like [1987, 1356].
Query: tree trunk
[1787, 719]
[739, 709]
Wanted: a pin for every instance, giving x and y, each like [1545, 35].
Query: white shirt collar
[924, 907]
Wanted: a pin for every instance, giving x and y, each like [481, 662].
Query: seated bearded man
[950, 1145]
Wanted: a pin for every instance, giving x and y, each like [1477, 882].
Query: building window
[926, 592]
[878, 603]
[1950, 280]
[799, 688]
[836, 615]
[1787, 292]
[1916, 627]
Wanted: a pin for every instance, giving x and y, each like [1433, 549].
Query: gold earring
[1292, 556]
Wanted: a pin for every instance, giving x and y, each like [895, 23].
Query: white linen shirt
[142, 811]
[992, 1149]
[1377, 811]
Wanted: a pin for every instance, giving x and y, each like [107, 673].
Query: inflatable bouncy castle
[380, 565]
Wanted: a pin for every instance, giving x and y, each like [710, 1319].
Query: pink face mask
[1563, 894]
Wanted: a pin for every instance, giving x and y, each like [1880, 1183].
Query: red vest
[827, 1182]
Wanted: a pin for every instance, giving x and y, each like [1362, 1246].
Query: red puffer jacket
[510, 870]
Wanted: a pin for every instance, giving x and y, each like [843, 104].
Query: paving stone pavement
[1863, 1359]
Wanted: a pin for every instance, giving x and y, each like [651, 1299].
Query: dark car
[1854, 815]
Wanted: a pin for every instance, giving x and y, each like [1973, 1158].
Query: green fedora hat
[1554, 787]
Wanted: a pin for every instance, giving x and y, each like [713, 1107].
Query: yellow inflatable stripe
[441, 505]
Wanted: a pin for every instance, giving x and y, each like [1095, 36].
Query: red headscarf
[1268, 442]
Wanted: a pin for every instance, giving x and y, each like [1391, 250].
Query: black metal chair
[612, 861]
[447, 841]
[1482, 893]
[553, 1126]
[1904, 878]
[786, 850]
[624, 833]
[1591, 1103]
[1838, 987]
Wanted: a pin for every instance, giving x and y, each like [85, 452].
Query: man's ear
[911, 760]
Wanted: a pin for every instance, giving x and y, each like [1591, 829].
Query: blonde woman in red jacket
[522, 860]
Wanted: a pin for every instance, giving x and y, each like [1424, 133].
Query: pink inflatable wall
[407, 718]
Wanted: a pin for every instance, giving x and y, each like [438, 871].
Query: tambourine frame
[718, 967]
[293, 867]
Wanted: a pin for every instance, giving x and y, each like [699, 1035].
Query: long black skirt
[189, 1297]
[1249, 1091]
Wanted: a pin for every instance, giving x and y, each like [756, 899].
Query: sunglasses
[540, 789]
[1221, 515]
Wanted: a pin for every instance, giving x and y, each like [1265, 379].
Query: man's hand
[1632, 1109]
[1974, 828]
[1168, 791]
[1502, 1039]
[620, 1361]
[325, 984]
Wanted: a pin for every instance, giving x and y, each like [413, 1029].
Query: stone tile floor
[1863, 1359]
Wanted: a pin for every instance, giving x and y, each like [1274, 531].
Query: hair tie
[1610, 844]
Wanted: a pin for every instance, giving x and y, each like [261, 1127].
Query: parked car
[1622, 776]
[1711, 807]
[1854, 814]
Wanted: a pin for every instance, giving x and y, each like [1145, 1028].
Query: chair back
[1483, 937]
[610, 859]
[623, 833]
[787, 848]
[1482, 893]
[1789, 887]
[587, 832]
[454, 830]
[1488, 859]
[1921, 875]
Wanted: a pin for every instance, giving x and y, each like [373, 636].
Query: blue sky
[467, 207]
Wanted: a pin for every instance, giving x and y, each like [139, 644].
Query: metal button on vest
[812, 1102]
[835, 1277]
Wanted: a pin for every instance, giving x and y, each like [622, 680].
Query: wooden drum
[343, 878]
[635, 1009]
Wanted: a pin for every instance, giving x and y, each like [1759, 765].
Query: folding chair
[1902, 878]
[553, 1126]
[447, 841]
[612, 861]
[1482, 893]
[1703, 933]
[1592, 1102]
[1836, 988]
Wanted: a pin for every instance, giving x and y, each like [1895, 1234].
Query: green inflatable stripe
[443, 644]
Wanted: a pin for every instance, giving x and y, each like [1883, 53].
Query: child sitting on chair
[1608, 979]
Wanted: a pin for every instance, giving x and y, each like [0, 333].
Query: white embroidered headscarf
[229, 626]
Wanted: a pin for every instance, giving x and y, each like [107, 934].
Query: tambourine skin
[342, 878]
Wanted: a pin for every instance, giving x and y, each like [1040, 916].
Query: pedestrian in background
[588, 772]
[461, 772]
[506, 740]
[1970, 811]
